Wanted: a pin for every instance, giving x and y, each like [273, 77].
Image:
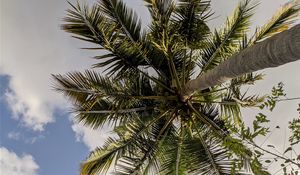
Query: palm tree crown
[145, 72]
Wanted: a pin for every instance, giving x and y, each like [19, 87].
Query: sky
[37, 133]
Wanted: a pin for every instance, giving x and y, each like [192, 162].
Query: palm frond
[211, 156]
[160, 10]
[101, 159]
[123, 59]
[99, 100]
[280, 22]
[223, 44]
[125, 18]
[93, 25]
[229, 108]
[172, 153]
[84, 22]
[194, 153]
[219, 132]
[135, 148]
[189, 21]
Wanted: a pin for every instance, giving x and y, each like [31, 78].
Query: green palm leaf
[189, 21]
[99, 100]
[135, 147]
[222, 44]
[281, 21]
[125, 18]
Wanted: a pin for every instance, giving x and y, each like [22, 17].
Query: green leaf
[125, 18]
[222, 44]
[281, 21]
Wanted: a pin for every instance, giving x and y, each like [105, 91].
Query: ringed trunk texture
[272, 52]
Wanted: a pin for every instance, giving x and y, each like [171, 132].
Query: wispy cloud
[18, 136]
[32, 140]
[14, 135]
[12, 164]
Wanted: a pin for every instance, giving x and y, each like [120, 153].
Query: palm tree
[163, 123]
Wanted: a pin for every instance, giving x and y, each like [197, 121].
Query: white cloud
[30, 110]
[18, 136]
[12, 164]
[90, 137]
[31, 49]
[14, 135]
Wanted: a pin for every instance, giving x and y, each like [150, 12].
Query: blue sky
[37, 133]
[55, 149]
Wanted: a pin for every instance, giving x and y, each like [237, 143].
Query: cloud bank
[32, 48]
[12, 164]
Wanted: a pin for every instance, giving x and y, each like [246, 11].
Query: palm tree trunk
[272, 52]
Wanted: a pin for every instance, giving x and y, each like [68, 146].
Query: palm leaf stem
[289, 99]
[134, 42]
[79, 90]
[108, 45]
[207, 121]
[91, 92]
[278, 23]
[137, 168]
[158, 144]
[171, 97]
[184, 64]
[171, 74]
[174, 72]
[124, 28]
[168, 122]
[204, 10]
[214, 91]
[179, 148]
[148, 153]
[116, 111]
[219, 102]
[87, 162]
[156, 81]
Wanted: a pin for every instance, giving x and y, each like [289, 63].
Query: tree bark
[272, 52]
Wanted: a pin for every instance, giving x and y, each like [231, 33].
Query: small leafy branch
[294, 126]
[259, 157]
[277, 93]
